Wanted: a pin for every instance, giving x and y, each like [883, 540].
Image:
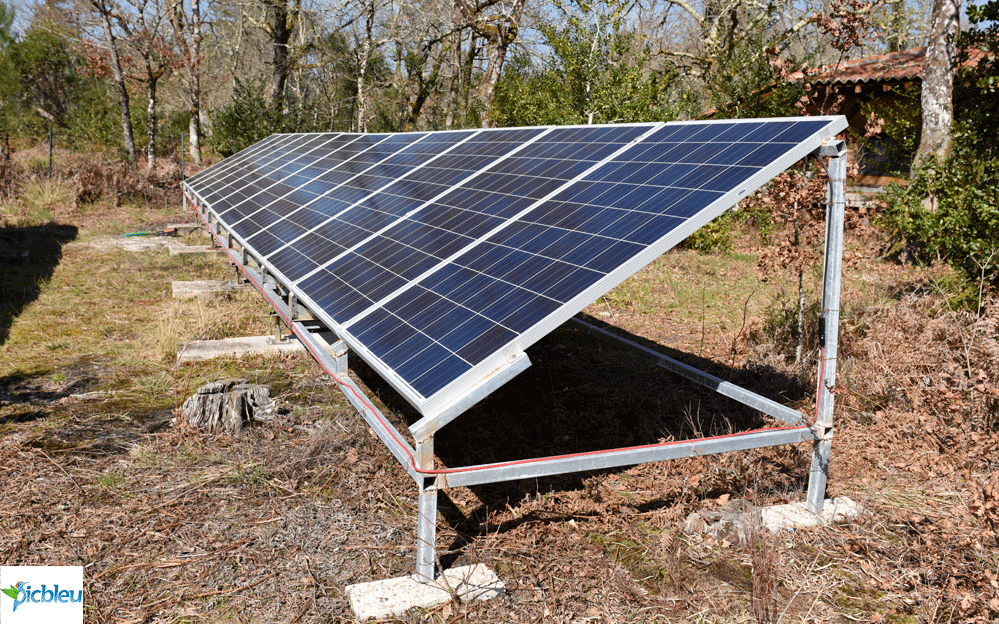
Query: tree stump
[229, 405]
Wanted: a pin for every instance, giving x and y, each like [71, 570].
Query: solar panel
[440, 256]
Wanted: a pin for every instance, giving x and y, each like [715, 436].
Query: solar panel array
[437, 255]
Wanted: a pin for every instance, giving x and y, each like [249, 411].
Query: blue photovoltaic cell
[261, 181]
[387, 261]
[433, 251]
[531, 284]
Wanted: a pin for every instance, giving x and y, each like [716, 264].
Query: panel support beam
[828, 322]
[598, 460]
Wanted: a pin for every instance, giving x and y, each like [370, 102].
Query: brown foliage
[792, 199]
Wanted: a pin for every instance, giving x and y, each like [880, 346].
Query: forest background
[229, 72]
[127, 79]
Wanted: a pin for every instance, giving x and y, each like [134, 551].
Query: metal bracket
[822, 433]
[426, 426]
[338, 352]
[278, 337]
[834, 148]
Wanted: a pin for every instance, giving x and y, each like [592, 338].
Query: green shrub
[250, 117]
[950, 210]
[715, 237]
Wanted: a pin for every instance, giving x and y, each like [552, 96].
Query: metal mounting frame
[418, 459]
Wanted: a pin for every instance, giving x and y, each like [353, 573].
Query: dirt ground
[174, 525]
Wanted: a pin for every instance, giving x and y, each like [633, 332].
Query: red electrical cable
[445, 471]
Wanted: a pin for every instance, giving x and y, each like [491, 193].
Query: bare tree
[938, 82]
[104, 10]
[500, 31]
[144, 23]
[187, 34]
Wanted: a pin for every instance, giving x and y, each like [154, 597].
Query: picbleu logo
[41, 594]
[22, 593]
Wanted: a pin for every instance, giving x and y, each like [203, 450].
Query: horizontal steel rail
[476, 475]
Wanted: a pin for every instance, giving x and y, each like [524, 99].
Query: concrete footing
[186, 229]
[211, 289]
[235, 347]
[393, 597]
[737, 521]
[794, 515]
[196, 251]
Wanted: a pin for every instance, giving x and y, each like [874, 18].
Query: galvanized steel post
[426, 521]
[828, 323]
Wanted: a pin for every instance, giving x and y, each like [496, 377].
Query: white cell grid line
[564, 231]
[305, 206]
[373, 147]
[259, 158]
[218, 169]
[358, 287]
[353, 157]
[252, 168]
[314, 231]
[220, 174]
[502, 226]
[291, 174]
[289, 166]
[457, 187]
[379, 192]
[429, 202]
[404, 146]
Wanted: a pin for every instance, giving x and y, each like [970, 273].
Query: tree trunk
[194, 86]
[119, 80]
[938, 82]
[499, 36]
[282, 23]
[426, 86]
[487, 90]
[362, 65]
[151, 79]
[452, 91]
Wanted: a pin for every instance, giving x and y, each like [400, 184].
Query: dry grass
[270, 527]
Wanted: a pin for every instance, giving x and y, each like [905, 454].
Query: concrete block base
[186, 229]
[235, 347]
[196, 251]
[211, 289]
[794, 515]
[393, 597]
